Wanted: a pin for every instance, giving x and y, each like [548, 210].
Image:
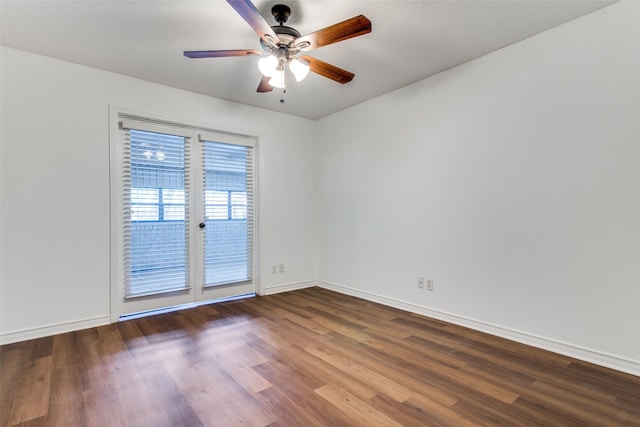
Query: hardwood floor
[305, 358]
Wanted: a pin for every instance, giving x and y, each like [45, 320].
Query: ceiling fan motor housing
[281, 13]
[287, 35]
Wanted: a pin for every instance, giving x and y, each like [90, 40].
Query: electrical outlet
[429, 283]
[281, 268]
[274, 269]
[421, 282]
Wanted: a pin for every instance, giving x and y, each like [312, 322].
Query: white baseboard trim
[607, 360]
[58, 328]
[270, 290]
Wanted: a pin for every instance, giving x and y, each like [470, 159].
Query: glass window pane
[172, 196]
[216, 204]
[174, 213]
[238, 205]
[157, 253]
[239, 212]
[216, 197]
[144, 212]
[144, 195]
[227, 244]
[217, 212]
[238, 198]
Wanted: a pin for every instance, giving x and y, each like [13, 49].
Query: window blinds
[155, 215]
[228, 183]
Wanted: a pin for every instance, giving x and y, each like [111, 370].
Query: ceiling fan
[283, 45]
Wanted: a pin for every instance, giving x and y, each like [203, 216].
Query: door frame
[115, 239]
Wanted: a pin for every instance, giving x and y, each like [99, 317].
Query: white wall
[55, 188]
[513, 181]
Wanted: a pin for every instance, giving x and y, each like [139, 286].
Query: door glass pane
[173, 204]
[216, 204]
[158, 249]
[144, 204]
[238, 205]
[226, 253]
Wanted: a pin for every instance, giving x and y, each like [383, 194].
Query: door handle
[202, 225]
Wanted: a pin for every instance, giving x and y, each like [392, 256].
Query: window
[145, 204]
[225, 204]
[157, 204]
[185, 214]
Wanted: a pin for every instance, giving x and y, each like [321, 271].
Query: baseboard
[289, 287]
[580, 353]
[576, 352]
[58, 328]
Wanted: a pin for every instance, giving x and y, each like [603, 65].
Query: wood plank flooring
[304, 358]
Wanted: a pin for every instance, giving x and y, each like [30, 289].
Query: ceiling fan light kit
[282, 44]
[267, 65]
[277, 79]
[274, 65]
[300, 68]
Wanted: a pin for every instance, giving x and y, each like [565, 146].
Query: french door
[183, 209]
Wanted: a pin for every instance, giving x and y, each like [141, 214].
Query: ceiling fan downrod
[281, 13]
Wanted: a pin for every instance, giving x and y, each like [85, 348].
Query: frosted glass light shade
[299, 68]
[277, 80]
[268, 65]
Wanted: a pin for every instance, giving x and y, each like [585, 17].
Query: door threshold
[182, 307]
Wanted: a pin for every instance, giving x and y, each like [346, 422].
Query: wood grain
[354, 27]
[304, 358]
[327, 70]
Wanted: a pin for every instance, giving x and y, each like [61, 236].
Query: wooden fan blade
[329, 71]
[264, 85]
[344, 30]
[249, 13]
[220, 53]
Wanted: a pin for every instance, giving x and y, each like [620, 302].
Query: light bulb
[268, 65]
[160, 155]
[299, 68]
[277, 80]
[148, 154]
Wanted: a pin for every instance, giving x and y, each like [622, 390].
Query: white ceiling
[410, 40]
